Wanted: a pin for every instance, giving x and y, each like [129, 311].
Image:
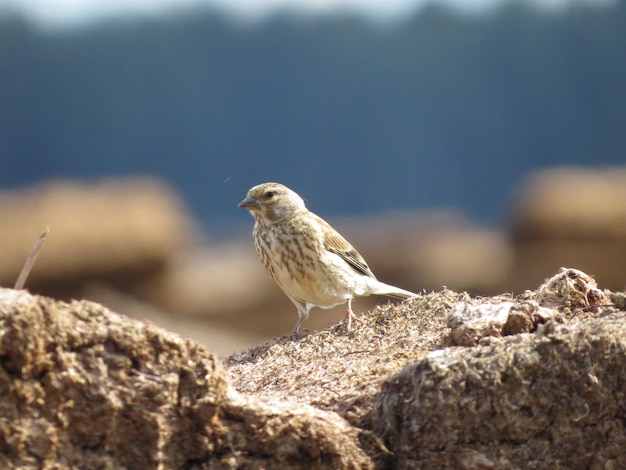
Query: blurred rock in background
[111, 241]
[132, 245]
[121, 232]
[425, 250]
[573, 217]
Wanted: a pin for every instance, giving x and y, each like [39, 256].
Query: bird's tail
[380, 288]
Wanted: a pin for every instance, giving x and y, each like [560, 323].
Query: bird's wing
[335, 243]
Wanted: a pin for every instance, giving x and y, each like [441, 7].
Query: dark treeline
[440, 110]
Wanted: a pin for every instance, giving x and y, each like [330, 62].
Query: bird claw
[350, 316]
[297, 335]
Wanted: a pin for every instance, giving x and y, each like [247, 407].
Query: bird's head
[272, 202]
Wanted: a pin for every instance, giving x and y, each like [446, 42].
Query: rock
[569, 217]
[425, 250]
[547, 400]
[569, 292]
[83, 387]
[121, 232]
[470, 323]
[572, 203]
[547, 384]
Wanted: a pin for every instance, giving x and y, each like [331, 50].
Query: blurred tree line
[441, 109]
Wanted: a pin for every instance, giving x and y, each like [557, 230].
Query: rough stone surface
[554, 399]
[541, 387]
[83, 387]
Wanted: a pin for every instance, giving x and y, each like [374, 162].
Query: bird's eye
[270, 194]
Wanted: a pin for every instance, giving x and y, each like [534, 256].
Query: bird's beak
[249, 203]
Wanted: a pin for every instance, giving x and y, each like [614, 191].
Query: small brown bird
[310, 261]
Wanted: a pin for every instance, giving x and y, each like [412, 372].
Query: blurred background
[477, 144]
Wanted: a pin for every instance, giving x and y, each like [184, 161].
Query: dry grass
[339, 370]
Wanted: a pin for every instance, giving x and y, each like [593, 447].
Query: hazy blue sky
[76, 12]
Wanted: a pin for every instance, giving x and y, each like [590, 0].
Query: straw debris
[571, 289]
[341, 371]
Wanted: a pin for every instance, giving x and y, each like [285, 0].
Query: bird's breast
[302, 267]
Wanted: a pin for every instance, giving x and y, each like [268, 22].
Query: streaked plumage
[309, 260]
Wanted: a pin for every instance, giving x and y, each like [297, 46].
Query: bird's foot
[349, 318]
[297, 335]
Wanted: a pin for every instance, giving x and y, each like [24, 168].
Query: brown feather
[335, 243]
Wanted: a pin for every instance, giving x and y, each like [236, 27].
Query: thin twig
[364, 351]
[30, 261]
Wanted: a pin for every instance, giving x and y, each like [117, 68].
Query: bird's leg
[350, 316]
[295, 334]
[297, 328]
[303, 314]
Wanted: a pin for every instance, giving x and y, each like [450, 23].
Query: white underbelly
[330, 283]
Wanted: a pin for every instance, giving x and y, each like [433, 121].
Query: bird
[309, 260]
